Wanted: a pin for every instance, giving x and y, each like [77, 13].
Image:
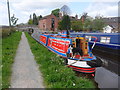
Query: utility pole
[8, 13]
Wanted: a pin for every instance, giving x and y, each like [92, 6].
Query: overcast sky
[23, 8]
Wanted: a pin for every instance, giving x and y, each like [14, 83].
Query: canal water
[108, 75]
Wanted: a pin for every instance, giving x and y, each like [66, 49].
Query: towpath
[25, 72]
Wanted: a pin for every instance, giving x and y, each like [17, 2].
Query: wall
[45, 23]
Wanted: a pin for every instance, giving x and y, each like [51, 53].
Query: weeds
[4, 32]
[55, 74]
[9, 46]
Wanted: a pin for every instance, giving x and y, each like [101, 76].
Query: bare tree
[14, 20]
[85, 14]
[65, 10]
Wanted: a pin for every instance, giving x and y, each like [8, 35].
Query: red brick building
[49, 22]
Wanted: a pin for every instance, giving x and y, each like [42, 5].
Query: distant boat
[107, 42]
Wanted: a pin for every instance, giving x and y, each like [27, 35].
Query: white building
[107, 29]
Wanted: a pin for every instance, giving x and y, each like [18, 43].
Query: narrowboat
[75, 50]
[107, 42]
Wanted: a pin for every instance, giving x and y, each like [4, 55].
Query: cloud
[23, 8]
[4, 14]
[66, 0]
[105, 0]
[36, 6]
[27, 7]
[105, 9]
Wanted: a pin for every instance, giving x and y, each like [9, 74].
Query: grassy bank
[55, 73]
[9, 47]
[0, 63]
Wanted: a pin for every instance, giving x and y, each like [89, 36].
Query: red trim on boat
[84, 71]
[81, 68]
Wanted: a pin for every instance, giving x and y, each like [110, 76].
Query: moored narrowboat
[107, 42]
[76, 51]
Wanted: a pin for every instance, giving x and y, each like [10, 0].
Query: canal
[107, 76]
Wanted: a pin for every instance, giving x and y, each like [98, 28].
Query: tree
[83, 17]
[86, 21]
[30, 21]
[65, 23]
[77, 25]
[60, 25]
[30, 17]
[87, 25]
[35, 20]
[14, 20]
[39, 17]
[98, 23]
[65, 10]
[56, 12]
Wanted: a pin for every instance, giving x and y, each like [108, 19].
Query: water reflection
[106, 78]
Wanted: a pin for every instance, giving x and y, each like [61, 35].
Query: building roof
[111, 19]
[113, 22]
[45, 17]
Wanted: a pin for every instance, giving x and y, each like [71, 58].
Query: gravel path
[25, 73]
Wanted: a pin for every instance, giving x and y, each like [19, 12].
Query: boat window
[86, 45]
[105, 40]
[78, 43]
[88, 37]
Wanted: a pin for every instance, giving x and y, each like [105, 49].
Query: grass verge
[0, 63]
[9, 46]
[55, 74]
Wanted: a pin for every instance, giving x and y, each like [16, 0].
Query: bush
[7, 31]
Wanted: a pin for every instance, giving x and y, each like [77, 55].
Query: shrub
[6, 31]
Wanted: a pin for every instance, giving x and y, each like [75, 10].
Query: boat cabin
[80, 47]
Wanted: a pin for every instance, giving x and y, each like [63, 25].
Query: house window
[105, 40]
[52, 22]
[44, 25]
